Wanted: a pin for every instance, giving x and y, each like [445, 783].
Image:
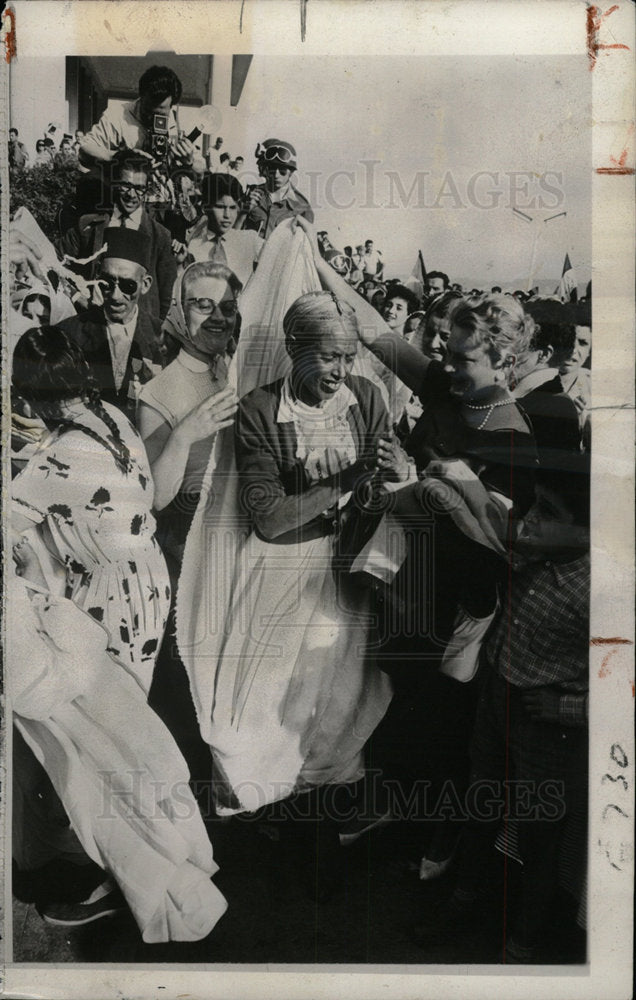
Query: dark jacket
[266, 459]
[88, 331]
[264, 218]
[87, 237]
[555, 421]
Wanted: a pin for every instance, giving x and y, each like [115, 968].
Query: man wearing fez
[121, 342]
[84, 240]
[277, 199]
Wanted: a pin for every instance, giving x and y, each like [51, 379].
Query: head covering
[126, 244]
[316, 313]
[276, 151]
[175, 323]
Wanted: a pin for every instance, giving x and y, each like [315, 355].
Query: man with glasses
[277, 199]
[84, 241]
[121, 342]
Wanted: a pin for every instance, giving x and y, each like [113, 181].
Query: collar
[533, 380]
[135, 217]
[279, 196]
[211, 237]
[129, 327]
[192, 364]
[573, 572]
[290, 408]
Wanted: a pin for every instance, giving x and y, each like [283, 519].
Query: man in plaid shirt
[529, 747]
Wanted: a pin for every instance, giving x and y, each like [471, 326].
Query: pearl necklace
[489, 407]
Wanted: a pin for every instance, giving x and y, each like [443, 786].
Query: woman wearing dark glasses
[277, 199]
[179, 414]
[182, 408]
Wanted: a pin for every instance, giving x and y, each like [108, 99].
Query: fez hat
[126, 244]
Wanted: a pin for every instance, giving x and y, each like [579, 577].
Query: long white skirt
[295, 696]
[114, 765]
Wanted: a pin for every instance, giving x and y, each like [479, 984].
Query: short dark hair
[159, 82]
[439, 274]
[553, 328]
[441, 306]
[13, 130]
[215, 186]
[128, 159]
[402, 292]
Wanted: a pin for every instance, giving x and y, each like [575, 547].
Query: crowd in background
[410, 454]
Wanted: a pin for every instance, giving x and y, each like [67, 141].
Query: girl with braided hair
[87, 494]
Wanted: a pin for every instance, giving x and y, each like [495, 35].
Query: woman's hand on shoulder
[210, 416]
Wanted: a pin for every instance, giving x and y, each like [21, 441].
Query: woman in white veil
[284, 693]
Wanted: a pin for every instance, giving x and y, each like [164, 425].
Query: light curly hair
[496, 322]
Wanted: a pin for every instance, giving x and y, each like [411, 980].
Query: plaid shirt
[542, 637]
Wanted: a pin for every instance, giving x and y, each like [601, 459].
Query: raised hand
[208, 417]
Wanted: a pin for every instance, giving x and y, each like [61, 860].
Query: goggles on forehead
[280, 154]
[127, 286]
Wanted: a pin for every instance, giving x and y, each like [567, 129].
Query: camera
[159, 136]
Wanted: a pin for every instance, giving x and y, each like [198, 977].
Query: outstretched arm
[402, 358]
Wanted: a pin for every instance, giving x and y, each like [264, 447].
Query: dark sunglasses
[127, 188]
[228, 307]
[127, 286]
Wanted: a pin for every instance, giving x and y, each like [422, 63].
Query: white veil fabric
[286, 271]
[113, 764]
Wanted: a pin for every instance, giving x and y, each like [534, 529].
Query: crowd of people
[270, 505]
[49, 150]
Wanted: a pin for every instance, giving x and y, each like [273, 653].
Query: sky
[426, 153]
[469, 138]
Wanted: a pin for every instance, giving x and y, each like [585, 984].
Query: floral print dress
[97, 521]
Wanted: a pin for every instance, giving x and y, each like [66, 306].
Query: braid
[112, 442]
[121, 452]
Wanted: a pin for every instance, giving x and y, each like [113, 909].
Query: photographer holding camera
[150, 123]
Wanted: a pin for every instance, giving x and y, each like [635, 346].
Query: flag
[417, 279]
[567, 286]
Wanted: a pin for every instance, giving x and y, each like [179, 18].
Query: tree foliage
[43, 190]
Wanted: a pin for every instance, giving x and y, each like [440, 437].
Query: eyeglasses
[127, 286]
[275, 168]
[280, 153]
[126, 188]
[228, 307]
